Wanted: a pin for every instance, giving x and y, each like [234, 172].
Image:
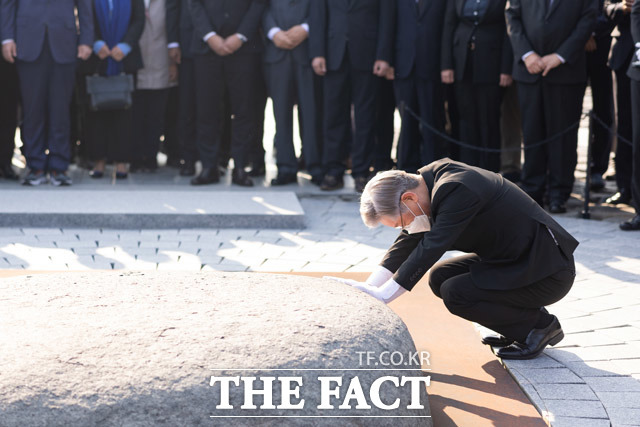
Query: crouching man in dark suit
[518, 258]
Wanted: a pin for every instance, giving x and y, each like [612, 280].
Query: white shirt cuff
[242, 37]
[560, 58]
[209, 35]
[379, 276]
[7, 41]
[272, 32]
[387, 290]
[305, 26]
[173, 45]
[526, 55]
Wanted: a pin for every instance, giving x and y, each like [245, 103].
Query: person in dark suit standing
[350, 43]
[548, 39]
[518, 258]
[43, 40]
[8, 116]
[619, 13]
[634, 75]
[180, 37]
[418, 36]
[601, 82]
[227, 50]
[477, 56]
[290, 78]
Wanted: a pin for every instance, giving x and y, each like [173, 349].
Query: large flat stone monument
[183, 349]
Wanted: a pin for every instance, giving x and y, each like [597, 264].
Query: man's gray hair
[381, 196]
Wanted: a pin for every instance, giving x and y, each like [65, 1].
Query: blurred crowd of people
[495, 74]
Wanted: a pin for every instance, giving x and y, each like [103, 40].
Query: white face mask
[420, 223]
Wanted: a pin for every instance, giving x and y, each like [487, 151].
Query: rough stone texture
[138, 349]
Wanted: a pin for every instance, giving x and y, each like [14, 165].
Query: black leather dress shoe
[557, 207]
[96, 174]
[534, 344]
[207, 176]
[496, 341]
[284, 179]
[331, 183]
[632, 225]
[621, 197]
[240, 177]
[7, 172]
[188, 169]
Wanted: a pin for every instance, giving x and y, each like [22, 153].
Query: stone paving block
[158, 244]
[179, 266]
[10, 232]
[349, 257]
[42, 231]
[579, 422]
[623, 384]
[589, 339]
[61, 238]
[591, 323]
[540, 362]
[624, 416]
[277, 265]
[105, 242]
[77, 244]
[565, 392]
[550, 376]
[602, 303]
[211, 259]
[604, 368]
[616, 399]
[360, 268]
[305, 254]
[572, 408]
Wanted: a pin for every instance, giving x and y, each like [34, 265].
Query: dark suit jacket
[27, 22]
[418, 38]
[493, 55]
[634, 72]
[363, 27]
[623, 47]
[477, 211]
[286, 14]
[564, 30]
[179, 25]
[227, 17]
[133, 61]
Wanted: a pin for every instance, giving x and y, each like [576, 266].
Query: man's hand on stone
[385, 293]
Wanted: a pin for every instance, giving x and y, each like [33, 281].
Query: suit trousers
[237, 73]
[289, 83]
[8, 111]
[548, 110]
[624, 152]
[149, 112]
[479, 108]
[418, 146]
[601, 82]
[46, 88]
[512, 313]
[385, 126]
[635, 174]
[187, 112]
[342, 87]
[171, 143]
[511, 131]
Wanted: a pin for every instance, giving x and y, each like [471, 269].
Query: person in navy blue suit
[43, 40]
[8, 116]
[418, 36]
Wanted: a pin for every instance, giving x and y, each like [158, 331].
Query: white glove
[384, 292]
[379, 276]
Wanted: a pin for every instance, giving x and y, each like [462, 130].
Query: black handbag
[110, 92]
